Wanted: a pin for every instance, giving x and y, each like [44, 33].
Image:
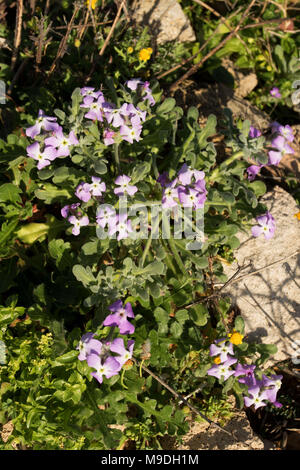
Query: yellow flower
[91, 3]
[130, 50]
[145, 54]
[235, 337]
[297, 215]
[217, 360]
[77, 43]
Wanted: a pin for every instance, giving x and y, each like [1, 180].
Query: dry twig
[112, 28]
[18, 33]
[194, 69]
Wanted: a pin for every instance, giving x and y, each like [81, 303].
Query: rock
[165, 19]
[269, 301]
[244, 81]
[212, 99]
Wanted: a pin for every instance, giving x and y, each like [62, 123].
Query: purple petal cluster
[120, 123]
[187, 189]
[258, 392]
[275, 92]
[85, 191]
[55, 143]
[108, 356]
[266, 225]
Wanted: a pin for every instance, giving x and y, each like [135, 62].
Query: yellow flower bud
[77, 43]
[130, 50]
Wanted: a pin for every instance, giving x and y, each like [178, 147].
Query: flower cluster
[281, 135]
[119, 123]
[187, 189]
[55, 145]
[108, 356]
[257, 392]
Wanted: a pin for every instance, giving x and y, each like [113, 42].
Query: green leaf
[166, 106]
[10, 192]
[199, 314]
[84, 275]
[8, 315]
[239, 324]
[176, 329]
[32, 232]
[208, 131]
[67, 358]
[162, 318]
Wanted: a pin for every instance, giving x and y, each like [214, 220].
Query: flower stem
[117, 158]
[216, 172]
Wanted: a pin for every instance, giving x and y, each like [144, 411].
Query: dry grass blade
[63, 44]
[112, 28]
[18, 32]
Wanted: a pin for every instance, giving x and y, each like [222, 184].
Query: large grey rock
[165, 19]
[269, 301]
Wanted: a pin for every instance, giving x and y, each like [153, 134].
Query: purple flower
[109, 368]
[286, 132]
[119, 317]
[222, 370]
[133, 83]
[185, 175]
[169, 194]
[221, 348]
[275, 127]
[253, 170]
[148, 94]
[190, 197]
[279, 143]
[275, 92]
[83, 192]
[121, 225]
[254, 133]
[247, 373]
[89, 91]
[114, 117]
[256, 398]
[69, 208]
[118, 347]
[78, 223]
[163, 179]
[106, 215]
[88, 345]
[62, 143]
[95, 108]
[108, 137]
[266, 226]
[122, 181]
[272, 385]
[44, 158]
[131, 133]
[96, 187]
[43, 122]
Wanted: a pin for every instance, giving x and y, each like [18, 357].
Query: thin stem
[214, 175]
[117, 158]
